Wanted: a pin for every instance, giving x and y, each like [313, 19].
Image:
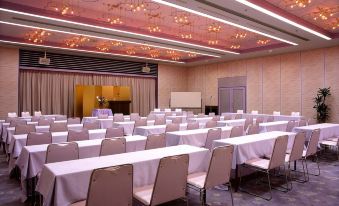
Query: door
[232, 99]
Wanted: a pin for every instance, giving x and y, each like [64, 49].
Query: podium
[120, 106]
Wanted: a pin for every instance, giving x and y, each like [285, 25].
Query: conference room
[169, 102]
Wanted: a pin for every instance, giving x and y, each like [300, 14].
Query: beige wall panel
[254, 85]
[211, 79]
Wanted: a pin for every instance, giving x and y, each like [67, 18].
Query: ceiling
[184, 32]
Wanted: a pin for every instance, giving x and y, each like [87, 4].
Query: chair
[75, 120]
[238, 116]
[16, 122]
[12, 114]
[212, 134]
[168, 114]
[160, 121]
[276, 160]
[192, 125]
[103, 189]
[37, 113]
[254, 112]
[24, 129]
[276, 113]
[201, 115]
[35, 119]
[9, 119]
[113, 146]
[157, 110]
[62, 152]
[303, 122]
[38, 138]
[227, 116]
[270, 119]
[253, 129]
[177, 120]
[45, 122]
[259, 120]
[139, 123]
[248, 122]
[25, 114]
[60, 118]
[178, 110]
[216, 118]
[240, 111]
[334, 143]
[167, 110]
[170, 182]
[77, 135]
[103, 116]
[134, 117]
[311, 150]
[58, 127]
[92, 125]
[290, 126]
[295, 114]
[211, 114]
[211, 124]
[172, 127]
[151, 117]
[237, 131]
[118, 117]
[114, 132]
[218, 172]
[154, 141]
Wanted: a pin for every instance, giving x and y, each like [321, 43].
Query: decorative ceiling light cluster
[137, 5]
[334, 24]
[76, 41]
[153, 28]
[186, 35]
[145, 47]
[214, 27]
[181, 18]
[130, 50]
[37, 36]
[154, 19]
[240, 35]
[263, 41]
[116, 43]
[104, 46]
[324, 13]
[64, 7]
[154, 53]
[213, 42]
[189, 54]
[296, 3]
[114, 13]
[235, 46]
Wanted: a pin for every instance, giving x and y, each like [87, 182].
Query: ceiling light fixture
[115, 30]
[222, 20]
[104, 38]
[87, 51]
[281, 18]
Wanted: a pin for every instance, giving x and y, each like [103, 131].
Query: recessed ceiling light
[221, 20]
[281, 18]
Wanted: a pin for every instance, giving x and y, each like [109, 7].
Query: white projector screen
[185, 100]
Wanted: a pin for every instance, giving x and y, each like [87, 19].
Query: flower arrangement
[101, 101]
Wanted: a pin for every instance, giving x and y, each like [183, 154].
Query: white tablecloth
[201, 120]
[195, 137]
[327, 130]
[233, 122]
[276, 117]
[67, 182]
[253, 146]
[273, 126]
[129, 126]
[155, 129]
[183, 118]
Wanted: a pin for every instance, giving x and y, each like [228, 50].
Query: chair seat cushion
[197, 179]
[80, 203]
[329, 143]
[143, 194]
[258, 162]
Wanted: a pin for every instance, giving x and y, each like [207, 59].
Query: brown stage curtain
[53, 92]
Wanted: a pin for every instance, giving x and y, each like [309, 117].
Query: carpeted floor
[322, 190]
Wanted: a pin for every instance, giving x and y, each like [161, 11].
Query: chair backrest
[178, 110]
[212, 134]
[227, 116]
[24, 129]
[155, 141]
[12, 114]
[62, 152]
[74, 135]
[167, 110]
[192, 125]
[290, 126]
[35, 119]
[160, 120]
[259, 120]
[172, 127]
[9, 119]
[211, 124]
[38, 138]
[295, 114]
[151, 117]
[216, 118]
[114, 132]
[37, 113]
[113, 146]
[171, 179]
[134, 117]
[238, 116]
[279, 152]
[45, 122]
[103, 116]
[276, 113]
[270, 119]
[298, 146]
[25, 114]
[211, 114]
[168, 113]
[16, 122]
[237, 131]
[220, 166]
[177, 120]
[58, 127]
[313, 143]
[92, 125]
[201, 115]
[248, 122]
[157, 109]
[303, 122]
[254, 112]
[253, 129]
[111, 186]
[240, 111]
[118, 118]
[59, 118]
[75, 120]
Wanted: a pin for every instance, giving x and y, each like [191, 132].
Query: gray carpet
[322, 190]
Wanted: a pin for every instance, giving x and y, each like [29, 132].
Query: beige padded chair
[276, 160]
[110, 186]
[155, 141]
[216, 118]
[113, 146]
[253, 129]
[118, 117]
[12, 114]
[212, 134]
[139, 123]
[92, 125]
[9, 119]
[58, 127]
[16, 122]
[211, 114]
[227, 116]
[201, 115]
[77, 135]
[211, 124]
[37, 113]
[38, 138]
[192, 125]
[270, 119]
[45, 122]
[238, 116]
[259, 120]
[172, 127]
[218, 173]
[177, 120]
[179, 113]
[248, 122]
[134, 117]
[160, 121]
[311, 150]
[103, 116]
[168, 113]
[151, 117]
[62, 152]
[60, 118]
[25, 114]
[170, 182]
[114, 132]
[35, 119]
[237, 131]
[75, 120]
[24, 129]
[332, 143]
[303, 122]
[290, 126]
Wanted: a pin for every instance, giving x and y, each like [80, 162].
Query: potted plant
[321, 107]
[101, 101]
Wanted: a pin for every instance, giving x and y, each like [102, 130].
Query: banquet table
[253, 146]
[276, 117]
[273, 126]
[327, 130]
[232, 122]
[182, 117]
[195, 137]
[155, 129]
[202, 120]
[129, 126]
[66, 182]
[97, 112]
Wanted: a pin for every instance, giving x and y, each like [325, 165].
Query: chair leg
[230, 189]
[203, 196]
